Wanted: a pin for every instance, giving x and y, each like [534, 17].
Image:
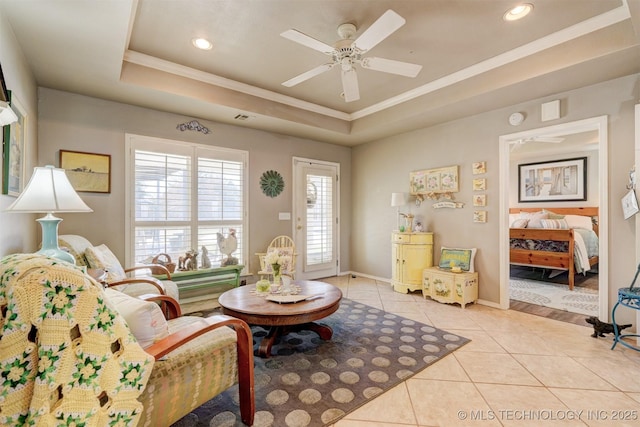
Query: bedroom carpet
[310, 382]
[558, 296]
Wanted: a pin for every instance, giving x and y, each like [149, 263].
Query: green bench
[200, 289]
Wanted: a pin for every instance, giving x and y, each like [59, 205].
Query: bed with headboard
[554, 238]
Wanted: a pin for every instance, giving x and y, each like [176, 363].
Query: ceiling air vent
[241, 117]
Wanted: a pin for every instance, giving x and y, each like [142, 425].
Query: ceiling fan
[348, 52]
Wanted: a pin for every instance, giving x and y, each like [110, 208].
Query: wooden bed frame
[546, 259]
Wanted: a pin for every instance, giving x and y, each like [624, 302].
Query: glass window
[185, 196]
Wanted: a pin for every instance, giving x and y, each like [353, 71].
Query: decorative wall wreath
[271, 183]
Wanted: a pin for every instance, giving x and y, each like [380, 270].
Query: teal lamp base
[49, 224]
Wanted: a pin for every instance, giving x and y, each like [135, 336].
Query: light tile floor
[518, 370]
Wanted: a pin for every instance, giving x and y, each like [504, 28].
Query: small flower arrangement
[276, 261]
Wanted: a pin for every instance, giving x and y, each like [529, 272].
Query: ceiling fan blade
[390, 66]
[388, 23]
[308, 41]
[309, 74]
[350, 85]
[547, 139]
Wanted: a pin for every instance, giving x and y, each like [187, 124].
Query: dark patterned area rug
[310, 382]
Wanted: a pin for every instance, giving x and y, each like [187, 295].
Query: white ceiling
[140, 52]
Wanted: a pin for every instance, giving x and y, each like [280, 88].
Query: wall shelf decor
[89, 172]
[434, 183]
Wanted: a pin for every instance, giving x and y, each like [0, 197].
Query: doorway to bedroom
[534, 278]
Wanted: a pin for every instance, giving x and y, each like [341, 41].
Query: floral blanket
[66, 357]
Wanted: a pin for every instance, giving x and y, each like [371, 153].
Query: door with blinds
[316, 218]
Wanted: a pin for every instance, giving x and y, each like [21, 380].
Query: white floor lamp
[49, 191]
[397, 200]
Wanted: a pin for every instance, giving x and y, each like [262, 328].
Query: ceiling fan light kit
[347, 52]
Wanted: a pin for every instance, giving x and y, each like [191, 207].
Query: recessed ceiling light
[203, 44]
[518, 12]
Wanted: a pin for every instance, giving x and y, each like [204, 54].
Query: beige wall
[79, 123]
[382, 167]
[19, 232]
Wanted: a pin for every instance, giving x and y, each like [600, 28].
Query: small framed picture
[479, 216]
[480, 200]
[479, 167]
[14, 156]
[479, 184]
[90, 172]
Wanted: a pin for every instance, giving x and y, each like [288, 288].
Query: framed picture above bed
[553, 181]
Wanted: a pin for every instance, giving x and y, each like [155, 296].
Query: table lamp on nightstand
[397, 200]
[49, 191]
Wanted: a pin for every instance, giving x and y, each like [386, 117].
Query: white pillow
[534, 218]
[513, 217]
[558, 224]
[461, 256]
[520, 223]
[144, 318]
[101, 257]
[579, 221]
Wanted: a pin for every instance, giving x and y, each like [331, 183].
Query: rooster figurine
[227, 246]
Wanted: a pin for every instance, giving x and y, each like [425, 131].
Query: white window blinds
[185, 196]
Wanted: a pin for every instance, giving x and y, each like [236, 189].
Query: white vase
[286, 287]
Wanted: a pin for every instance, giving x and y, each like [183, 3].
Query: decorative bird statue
[206, 262]
[227, 246]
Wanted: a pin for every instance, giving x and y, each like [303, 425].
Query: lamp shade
[49, 190]
[398, 199]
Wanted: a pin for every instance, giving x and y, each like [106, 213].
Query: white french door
[316, 218]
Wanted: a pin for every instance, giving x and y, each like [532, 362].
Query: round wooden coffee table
[245, 304]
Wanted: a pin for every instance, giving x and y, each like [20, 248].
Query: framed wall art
[479, 184]
[13, 156]
[480, 216]
[89, 172]
[480, 200]
[442, 180]
[479, 167]
[553, 181]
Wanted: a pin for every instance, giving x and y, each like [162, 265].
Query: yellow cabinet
[411, 253]
[445, 286]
